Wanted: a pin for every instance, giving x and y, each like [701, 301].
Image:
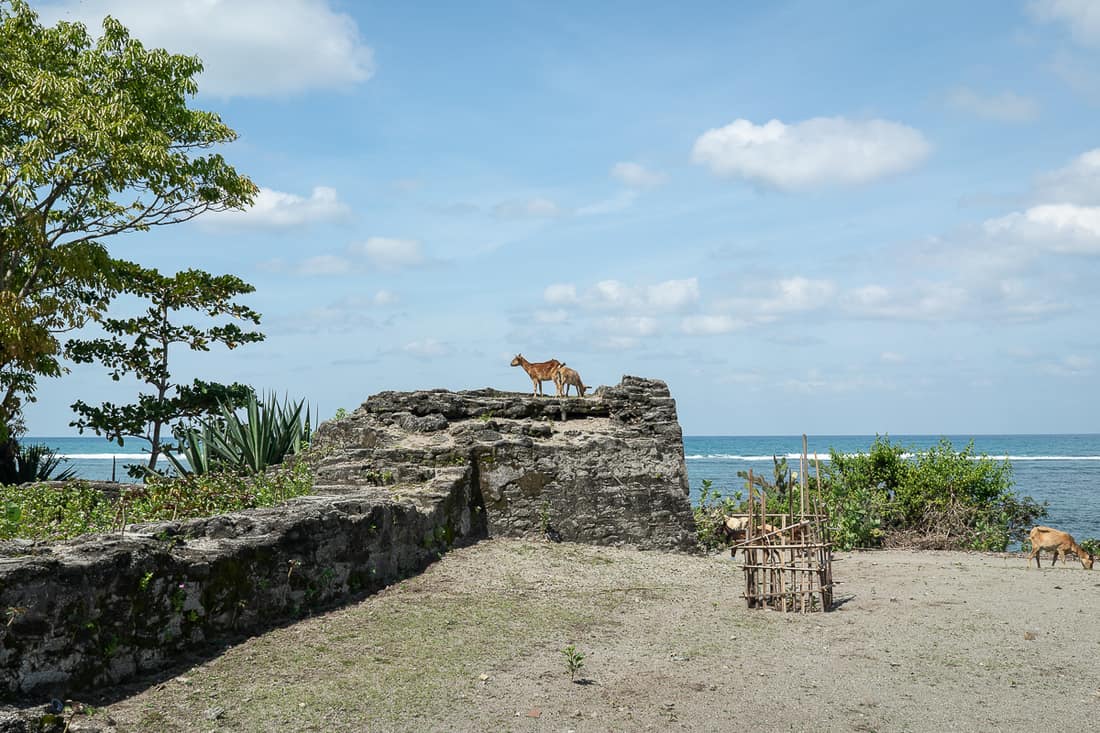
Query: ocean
[94, 458]
[1062, 470]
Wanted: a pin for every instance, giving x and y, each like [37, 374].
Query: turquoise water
[1062, 470]
[95, 458]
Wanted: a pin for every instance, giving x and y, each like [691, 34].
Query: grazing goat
[1059, 543]
[736, 530]
[539, 371]
[564, 377]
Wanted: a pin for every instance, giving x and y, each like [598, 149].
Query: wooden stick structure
[788, 556]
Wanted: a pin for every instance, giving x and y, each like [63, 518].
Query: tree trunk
[9, 449]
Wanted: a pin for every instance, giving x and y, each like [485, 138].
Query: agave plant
[192, 447]
[36, 463]
[267, 433]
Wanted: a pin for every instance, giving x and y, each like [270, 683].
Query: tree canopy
[96, 139]
[139, 346]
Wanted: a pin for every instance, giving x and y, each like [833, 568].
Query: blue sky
[882, 217]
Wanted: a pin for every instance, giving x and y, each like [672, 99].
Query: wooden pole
[752, 502]
[802, 475]
[750, 554]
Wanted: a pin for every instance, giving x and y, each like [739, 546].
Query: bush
[939, 498]
[1090, 544]
[34, 463]
[207, 495]
[41, 512]
[710, 513]
[782, 495]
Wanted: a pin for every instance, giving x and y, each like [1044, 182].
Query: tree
[140, 346]
[96, 139]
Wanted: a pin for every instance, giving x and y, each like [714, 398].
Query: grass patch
[410, 658]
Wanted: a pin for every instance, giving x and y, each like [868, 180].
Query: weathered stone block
[607, 469]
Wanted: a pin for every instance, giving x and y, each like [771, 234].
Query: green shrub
[206, 495]
[781, 493]
[938, 498]
[34, 463]
[42, 512]
[710, 512]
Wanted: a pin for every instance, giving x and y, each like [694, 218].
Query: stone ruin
[607, 470]
[397, 482]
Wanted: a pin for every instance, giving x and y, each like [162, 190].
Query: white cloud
[389, 253]
[868, 297]
[630, 325]
[1071, 365]
[555, 316]
[710, 325]
[620, 312]
[798, 294]
[617, 343]
[613, 293]
[1065, 228]
[892, 357]
[741, 378]
[380, 253]
[385, 297]
[669, 295]
[1076, 183]
[619, 202]
[278, 210]
[673, 294]
[1081, 16]
[426, 349]
[915, 301]
[534, 208]
[1004, 107]
[249, 48]
[560, 294]
[816, 152]
[1025, 300]
[1079, 74]
[325, 265]
[348, 314]
[815, 381]
[637, 175]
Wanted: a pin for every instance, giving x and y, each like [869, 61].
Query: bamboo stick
[752, 505]
[802, 474]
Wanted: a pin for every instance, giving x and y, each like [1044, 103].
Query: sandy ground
[918, 641]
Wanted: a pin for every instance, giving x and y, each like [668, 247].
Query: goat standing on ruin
[564, 377]
[538, 371]
[1059, 543]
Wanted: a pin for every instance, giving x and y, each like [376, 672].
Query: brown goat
[1059, 543]
[564, 377]
[539, 371]
[736, 530]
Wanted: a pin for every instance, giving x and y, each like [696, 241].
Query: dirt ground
[918, 641]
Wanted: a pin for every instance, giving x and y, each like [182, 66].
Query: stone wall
[606, 469]
[95, 611]
[399, 481]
